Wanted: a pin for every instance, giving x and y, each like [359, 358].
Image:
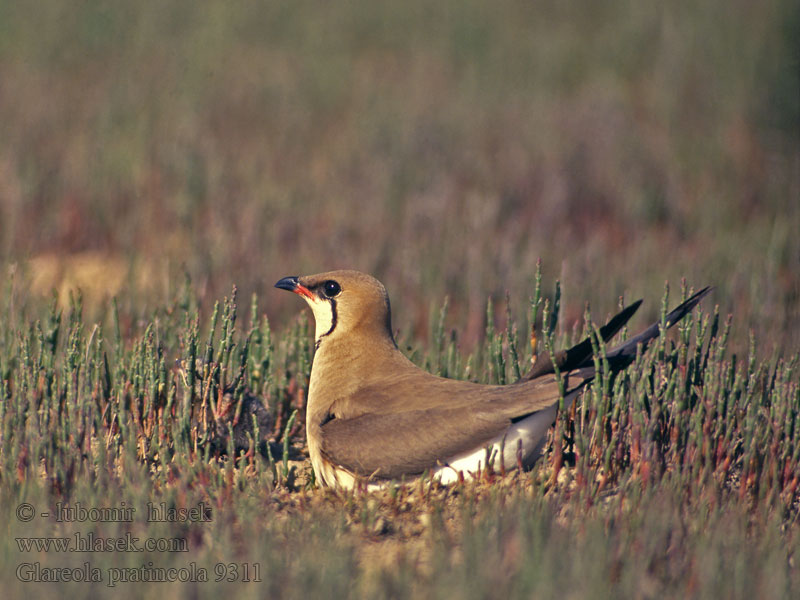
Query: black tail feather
[580, 355]
[628, 347]
[567, 360]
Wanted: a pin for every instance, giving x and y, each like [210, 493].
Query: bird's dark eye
[330, 288]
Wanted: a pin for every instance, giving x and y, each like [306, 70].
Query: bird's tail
[580, 355]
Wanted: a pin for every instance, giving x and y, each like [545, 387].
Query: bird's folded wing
[389, 445]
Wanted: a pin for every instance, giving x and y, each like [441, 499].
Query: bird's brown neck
[344, 364]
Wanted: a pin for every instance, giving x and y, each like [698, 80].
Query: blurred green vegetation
[678, 478]
[441, 147]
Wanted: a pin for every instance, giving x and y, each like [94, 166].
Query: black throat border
[333, 323]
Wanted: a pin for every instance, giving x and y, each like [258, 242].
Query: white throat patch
[323, 316]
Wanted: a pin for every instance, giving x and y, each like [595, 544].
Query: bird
[373, 416]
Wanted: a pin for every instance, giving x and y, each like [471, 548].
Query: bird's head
[344, 302]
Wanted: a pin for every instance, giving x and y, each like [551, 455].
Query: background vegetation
[162, 152]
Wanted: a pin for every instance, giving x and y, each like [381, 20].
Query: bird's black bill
[288, 283]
